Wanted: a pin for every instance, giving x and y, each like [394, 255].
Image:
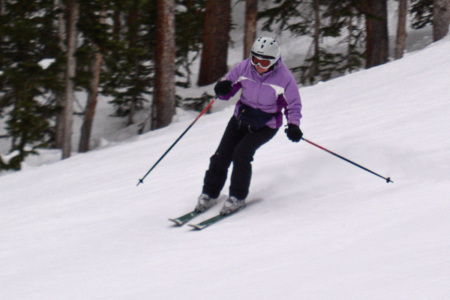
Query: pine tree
[27, 89]
[422, 13]
[189, 20]
[129, 65]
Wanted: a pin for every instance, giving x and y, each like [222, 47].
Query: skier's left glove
[223, 88]
[294, 133]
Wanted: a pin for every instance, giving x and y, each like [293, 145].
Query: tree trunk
[96, 64]
[72, 31]
[164, 94]
[441, 18]
[251, 17]
[2, 11]
[132, 39]
[61, 28]
[377, 43]
[316, 39]
[117, 25]
[91, 104]
[215, 41]
[401, 29]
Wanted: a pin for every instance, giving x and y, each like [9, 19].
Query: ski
[180, 221]
[212, 220]
[208, 222]
[219, 217]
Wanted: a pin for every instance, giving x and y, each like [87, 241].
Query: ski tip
[176, 221]
[196, 226]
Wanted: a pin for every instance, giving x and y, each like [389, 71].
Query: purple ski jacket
[269, 92]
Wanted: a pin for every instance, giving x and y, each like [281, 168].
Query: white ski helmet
[266, 48]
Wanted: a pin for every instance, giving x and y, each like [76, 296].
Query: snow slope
[318, 228]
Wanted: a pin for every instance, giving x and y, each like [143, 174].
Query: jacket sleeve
[293, 102]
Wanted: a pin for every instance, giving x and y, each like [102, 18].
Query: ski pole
[347, 160]
[177, 140]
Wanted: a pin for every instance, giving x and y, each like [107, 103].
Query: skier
[267, 87]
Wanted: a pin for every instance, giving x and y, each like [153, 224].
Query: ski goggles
[262, 60]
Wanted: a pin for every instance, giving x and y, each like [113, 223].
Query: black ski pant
[238, 145]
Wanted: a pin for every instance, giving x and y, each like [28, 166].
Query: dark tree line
[137, 51]
[97, 46]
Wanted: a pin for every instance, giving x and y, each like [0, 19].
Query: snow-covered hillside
[319, 227]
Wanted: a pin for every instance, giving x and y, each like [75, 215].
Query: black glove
[223, 87]
[294, 133]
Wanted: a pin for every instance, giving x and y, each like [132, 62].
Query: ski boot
[231, 205]
[205, 202]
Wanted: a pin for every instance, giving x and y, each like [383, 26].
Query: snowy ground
[319, 227]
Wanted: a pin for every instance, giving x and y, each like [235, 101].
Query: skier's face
[261, 64]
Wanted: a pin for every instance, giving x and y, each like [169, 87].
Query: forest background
[142, 54]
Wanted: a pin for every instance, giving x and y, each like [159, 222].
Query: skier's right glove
[223, 88]
[294, 133]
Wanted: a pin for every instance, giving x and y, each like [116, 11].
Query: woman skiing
[268, 87]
